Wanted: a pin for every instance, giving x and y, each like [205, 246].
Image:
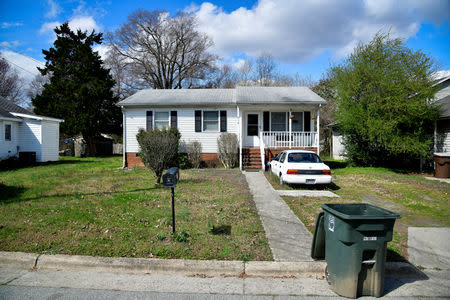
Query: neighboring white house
[265, 119]
[23, 131]
[442, 128]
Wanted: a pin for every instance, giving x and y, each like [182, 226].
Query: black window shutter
[223, 121]
[173, 119]
[149, 120]
[198, 121]
[307, 121]
[266, 121]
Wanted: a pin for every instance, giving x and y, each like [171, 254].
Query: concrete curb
[18, 259]
[208, 268]
[284, 269]
[141, 265]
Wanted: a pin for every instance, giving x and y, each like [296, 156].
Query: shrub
[227, 143]
[194, 150]
[159, 149]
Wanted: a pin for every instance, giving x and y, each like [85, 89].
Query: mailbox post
[170, 180]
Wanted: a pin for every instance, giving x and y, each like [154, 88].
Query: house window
[7, 132]
[278, 121]
[297, 121]
[161, 119]
[210, 121]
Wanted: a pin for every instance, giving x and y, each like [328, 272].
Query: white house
[442, 127]
[24, 132]
[265, 119]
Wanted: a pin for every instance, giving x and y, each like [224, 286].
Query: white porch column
[318, 129]
[239, 116]
[290, 128]
[124, 138]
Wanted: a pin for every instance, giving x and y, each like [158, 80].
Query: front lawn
[419, 201]
[89, 206]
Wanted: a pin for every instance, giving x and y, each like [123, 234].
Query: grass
[89, 206]
[419, 201]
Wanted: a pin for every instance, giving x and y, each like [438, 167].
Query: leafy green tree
[383, 92]
[80, 89]
[159, 149]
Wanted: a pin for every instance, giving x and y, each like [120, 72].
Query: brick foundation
[210, 160]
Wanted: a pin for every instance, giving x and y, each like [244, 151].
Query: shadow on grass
[393, 256]
[316, 187]
[9, 200]
[8, 192]
[15, 165]
[221, 230]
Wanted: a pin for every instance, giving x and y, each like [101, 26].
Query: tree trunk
[91, 147]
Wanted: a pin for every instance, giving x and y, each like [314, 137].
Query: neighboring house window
[161, 119]
[210, 121]
[7, 132]
[278, 121]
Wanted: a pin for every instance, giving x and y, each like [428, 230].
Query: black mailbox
[170, 179]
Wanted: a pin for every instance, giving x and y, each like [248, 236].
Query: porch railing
[282, 139]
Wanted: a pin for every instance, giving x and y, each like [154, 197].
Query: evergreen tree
[383, 102]
[80, 89]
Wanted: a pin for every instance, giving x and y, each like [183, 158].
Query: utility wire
[34, 74]
[29, 57]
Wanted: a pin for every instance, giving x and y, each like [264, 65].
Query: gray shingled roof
[8, 106]
[5, 114]
[277, 95]
[180, 97]
[239, 95]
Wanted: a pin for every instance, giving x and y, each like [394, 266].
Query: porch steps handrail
[282, 139]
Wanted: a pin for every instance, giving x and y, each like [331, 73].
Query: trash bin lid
[358, 211]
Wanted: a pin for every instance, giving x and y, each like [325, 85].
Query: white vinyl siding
[8, 148]
[135, 118]
[50, 141]
[30, 137]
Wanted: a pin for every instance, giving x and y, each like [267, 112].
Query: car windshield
[303, 158]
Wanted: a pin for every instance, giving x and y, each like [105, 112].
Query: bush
[159, 149]
[183, 161]
[228, 147]
[194, 150]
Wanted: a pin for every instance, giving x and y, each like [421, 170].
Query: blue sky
[303, 36]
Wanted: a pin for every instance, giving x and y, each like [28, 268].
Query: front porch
[263, 134]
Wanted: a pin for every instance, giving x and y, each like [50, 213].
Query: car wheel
[281, 179]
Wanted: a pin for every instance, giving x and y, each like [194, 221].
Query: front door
[252, 127]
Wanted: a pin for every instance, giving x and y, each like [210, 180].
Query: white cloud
[6, 25]
[5, 44]
[85, 23]
[296, 31]
[48, 27]
[26, 66]
[54, 10]
[102, 50]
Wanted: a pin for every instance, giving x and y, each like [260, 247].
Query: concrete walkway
[429, 247]
[289, 239]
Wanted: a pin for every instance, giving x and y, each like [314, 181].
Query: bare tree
[11, 86]
[223, 76]
[164, 52]
[245, 72]
[37, 85]
[265, 69]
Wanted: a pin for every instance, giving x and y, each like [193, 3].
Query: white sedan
[300, 167]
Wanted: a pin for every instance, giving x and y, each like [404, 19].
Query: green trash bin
[354, 237]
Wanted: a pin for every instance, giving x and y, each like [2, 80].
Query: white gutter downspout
[240, 136]
[124, 148]
[318, 129]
